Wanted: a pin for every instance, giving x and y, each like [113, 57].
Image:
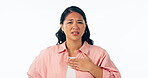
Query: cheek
[64, 26]
[66, 29]
[83, 29]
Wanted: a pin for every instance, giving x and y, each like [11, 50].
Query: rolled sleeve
[109, 68]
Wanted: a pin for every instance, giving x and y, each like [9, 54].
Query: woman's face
[74, 26]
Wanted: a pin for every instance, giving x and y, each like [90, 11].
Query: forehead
[74, 15]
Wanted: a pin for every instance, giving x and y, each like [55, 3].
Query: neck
[73, 46]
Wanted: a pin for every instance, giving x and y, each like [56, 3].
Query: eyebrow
[79, 20]
[72, 19]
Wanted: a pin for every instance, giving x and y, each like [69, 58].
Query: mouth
[75, 33]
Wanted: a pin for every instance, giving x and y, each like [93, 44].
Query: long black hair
[61, 35]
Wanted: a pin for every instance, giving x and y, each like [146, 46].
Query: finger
[70, 64]
[75, 67]
[84, 55]
[73, 60]
[73, 63]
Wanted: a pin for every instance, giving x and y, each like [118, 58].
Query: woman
[74, 56]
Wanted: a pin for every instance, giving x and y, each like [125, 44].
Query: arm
[108, 67]
[37, 66]
[104, 68]
[96, 71]
[32, 72]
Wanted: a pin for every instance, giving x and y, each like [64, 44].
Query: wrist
[96, 71]
[91, 67]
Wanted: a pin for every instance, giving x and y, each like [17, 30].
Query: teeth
[75, 32]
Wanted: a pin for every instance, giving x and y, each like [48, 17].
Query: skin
[74, 22]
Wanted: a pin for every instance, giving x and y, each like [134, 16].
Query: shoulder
[49, 50]
[95, 49]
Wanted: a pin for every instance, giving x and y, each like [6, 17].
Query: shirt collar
[62, 47]
[84, 48]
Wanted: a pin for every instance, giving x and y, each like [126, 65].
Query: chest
[58, 68]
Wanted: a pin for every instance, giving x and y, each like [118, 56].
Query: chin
[75, 39]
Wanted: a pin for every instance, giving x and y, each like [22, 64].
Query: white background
[119, 26]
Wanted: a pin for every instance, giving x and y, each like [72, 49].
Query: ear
[61, 26]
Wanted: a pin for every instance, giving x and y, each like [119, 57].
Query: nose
[75, 26]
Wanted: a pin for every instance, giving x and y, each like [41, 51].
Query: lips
[75, 33]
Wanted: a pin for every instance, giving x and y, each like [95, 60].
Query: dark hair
[61, 35]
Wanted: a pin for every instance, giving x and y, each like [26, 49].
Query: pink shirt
[51, 63]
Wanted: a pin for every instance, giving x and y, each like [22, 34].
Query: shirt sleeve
[32, 72]
[109, 68]
[37, 66]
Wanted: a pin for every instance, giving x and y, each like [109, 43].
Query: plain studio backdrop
[119, 26]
